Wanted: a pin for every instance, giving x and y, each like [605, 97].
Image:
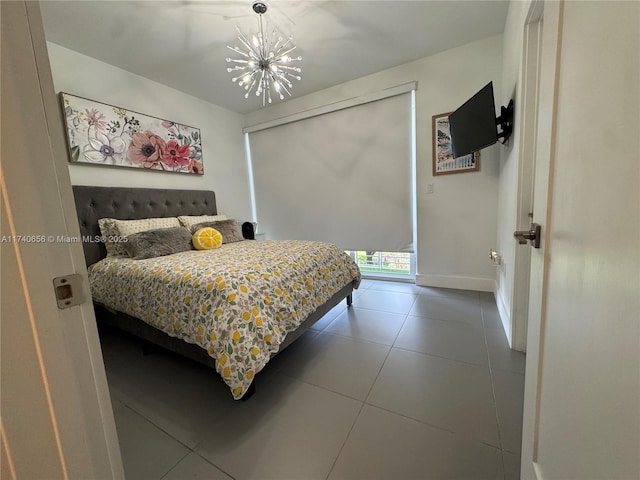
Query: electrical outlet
[429, 187]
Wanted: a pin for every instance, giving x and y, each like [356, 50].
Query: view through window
[384, 263]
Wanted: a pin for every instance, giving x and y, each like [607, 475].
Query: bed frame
[93, 203]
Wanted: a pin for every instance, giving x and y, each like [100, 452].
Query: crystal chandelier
[265, 62]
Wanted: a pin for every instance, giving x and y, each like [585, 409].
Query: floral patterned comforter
[237, 302]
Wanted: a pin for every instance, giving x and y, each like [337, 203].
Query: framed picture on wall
[101, 134]
[443, 161]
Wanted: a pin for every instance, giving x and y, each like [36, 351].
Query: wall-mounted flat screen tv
[473, 124]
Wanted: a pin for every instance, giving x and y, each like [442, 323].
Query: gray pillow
[158, 242]
[230, 230]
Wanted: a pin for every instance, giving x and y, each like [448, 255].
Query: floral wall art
[101, 134]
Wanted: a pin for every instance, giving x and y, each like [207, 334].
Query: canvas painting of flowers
[102, 134]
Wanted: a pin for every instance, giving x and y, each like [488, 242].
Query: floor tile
[293, 430]
[383, 445]
[442, 308]
[509, 393]
[147, 452]
[185, 399]
[341, 364]
[448, 394]
[129, 372]
[452, 293]
[386, 301]
[366, 283]
[490, 314]
[358, 292]
[372, 325]
[457, 341]
[487, 297]
[330, 316]
[501, 357]
[194, 467]
[308, 398]
[398, 287]
[511, 466]
[116, 404]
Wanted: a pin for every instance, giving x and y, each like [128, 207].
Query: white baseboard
[505, 316]
[461, 283]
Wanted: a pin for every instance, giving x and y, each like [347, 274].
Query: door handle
[533, 235]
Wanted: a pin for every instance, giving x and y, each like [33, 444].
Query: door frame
[542, 131]
[529, 98]
[55, 398]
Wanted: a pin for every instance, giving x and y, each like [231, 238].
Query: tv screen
[473, 125]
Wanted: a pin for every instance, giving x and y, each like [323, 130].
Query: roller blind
[343, 177]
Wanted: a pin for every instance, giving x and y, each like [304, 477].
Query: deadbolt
[533, 235]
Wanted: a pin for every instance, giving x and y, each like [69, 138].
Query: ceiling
[182, 43]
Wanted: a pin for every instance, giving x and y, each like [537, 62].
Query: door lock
[533, 235]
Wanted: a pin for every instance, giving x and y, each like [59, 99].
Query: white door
[56, 417]
[582, 387]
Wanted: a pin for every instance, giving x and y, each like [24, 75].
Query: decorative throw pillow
[229, 229]
[108, 232]
[206, 238]
[190, 220]
[114, 230]
[158, 242]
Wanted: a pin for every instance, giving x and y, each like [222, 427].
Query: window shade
[343, 177]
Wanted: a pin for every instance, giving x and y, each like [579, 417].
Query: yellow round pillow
[206, 238]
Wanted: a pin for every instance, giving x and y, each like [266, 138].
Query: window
[344, 176]
[385, 264]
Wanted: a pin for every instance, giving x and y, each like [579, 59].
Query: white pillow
[114, 230]
[191, 220]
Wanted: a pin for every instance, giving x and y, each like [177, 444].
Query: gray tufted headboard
[125, 203]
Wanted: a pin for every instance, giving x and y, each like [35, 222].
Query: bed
[232, 308]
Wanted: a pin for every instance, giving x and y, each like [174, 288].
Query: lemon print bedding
[238, 301]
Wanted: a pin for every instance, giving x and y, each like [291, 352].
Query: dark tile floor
[409, 383]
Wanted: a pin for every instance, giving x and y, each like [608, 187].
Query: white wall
[223, 153]
[457, 223]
